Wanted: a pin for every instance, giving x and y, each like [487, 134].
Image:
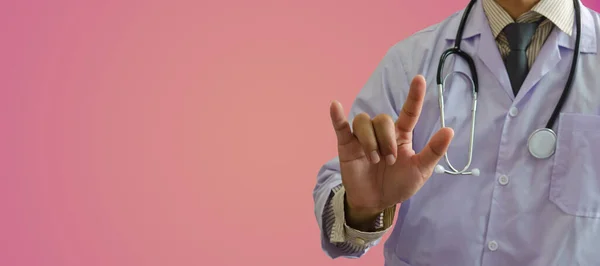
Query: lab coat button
[492, 245]
[503, 180]
[514, 111]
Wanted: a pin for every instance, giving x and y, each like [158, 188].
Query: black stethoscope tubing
[457, 51]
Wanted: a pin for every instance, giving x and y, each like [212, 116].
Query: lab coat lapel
[550, 55]
[489, 54]
[484, 48]
[548, 58]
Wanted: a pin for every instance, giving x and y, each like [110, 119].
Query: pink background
[179, 132]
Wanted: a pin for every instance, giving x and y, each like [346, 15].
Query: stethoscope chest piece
[542, 143]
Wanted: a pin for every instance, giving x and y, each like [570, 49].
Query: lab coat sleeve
[383, 93]
[352, 242]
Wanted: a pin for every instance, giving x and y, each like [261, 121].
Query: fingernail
[390, 159]
[374, 157]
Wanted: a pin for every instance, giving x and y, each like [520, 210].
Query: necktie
[519, 36]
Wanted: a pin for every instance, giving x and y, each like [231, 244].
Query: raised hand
[379, 167]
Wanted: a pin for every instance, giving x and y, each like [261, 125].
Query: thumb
[435, 149]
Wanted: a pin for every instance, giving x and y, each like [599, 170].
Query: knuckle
[388, 147]
[409, 113]
[341, 126]
[386, 144]
[370, 146]
[435, 152]
[368, 142]
[360, 120]
[382, 119]
[363, 116]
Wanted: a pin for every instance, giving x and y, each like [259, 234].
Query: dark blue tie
[519, 36]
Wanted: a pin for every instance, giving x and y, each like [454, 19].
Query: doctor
[522, 200]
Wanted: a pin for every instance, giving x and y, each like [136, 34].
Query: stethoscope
[541, 142]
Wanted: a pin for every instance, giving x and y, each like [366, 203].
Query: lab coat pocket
[575, 178]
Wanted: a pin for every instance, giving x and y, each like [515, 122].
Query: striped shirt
[559, 13]
[552, 13]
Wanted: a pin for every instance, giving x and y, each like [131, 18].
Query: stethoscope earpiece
[439, 169]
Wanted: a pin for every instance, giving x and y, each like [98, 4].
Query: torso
[549, 211]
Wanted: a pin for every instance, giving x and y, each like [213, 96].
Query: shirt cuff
[341, 232]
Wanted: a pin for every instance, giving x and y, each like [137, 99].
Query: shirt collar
[559, 12]
[478, 23]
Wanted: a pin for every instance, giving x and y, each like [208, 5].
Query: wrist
[362, 219]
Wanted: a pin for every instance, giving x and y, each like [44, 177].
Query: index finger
[409, 115]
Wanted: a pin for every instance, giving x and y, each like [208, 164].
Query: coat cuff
[341, 232]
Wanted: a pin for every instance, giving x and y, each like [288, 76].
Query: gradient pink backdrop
[179, 132]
